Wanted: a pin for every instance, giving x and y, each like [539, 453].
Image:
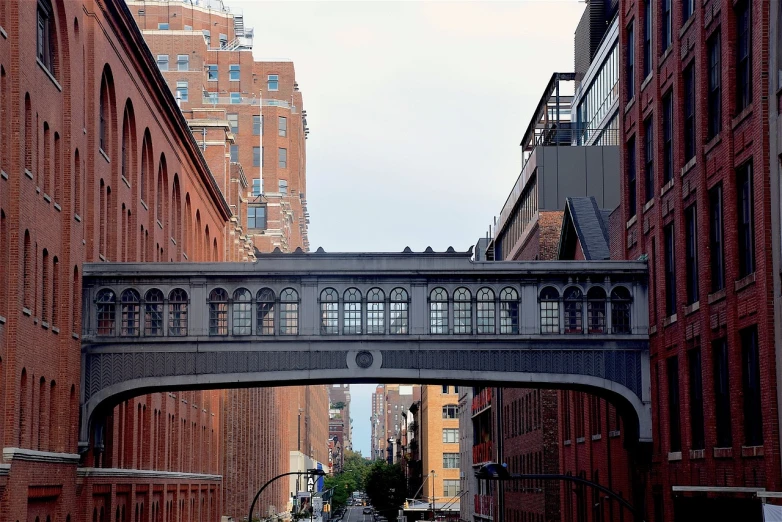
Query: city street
[354, 514]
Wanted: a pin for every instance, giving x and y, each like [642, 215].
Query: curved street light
[317, 472]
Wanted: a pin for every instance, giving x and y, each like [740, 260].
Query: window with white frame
[272, 82]
[182, 90]
[233, 72]
[282, 186]
[162, 62]
[182, 62]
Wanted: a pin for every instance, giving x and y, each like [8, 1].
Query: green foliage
[386, 488]
[338, 405]
[351, 479]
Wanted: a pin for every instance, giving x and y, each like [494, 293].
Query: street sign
[310, 483]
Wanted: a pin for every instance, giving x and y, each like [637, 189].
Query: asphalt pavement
[354, 514]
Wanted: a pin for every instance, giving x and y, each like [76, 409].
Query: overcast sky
[416, 110]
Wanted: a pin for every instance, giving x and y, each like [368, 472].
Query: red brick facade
[737, 313]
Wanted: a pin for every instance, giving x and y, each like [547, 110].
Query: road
[354, 514]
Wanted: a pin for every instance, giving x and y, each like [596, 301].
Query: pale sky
[416, 110]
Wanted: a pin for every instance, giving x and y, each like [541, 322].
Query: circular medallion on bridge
[364, 359]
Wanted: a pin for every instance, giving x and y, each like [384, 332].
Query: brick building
[696, 201]
[439, 442]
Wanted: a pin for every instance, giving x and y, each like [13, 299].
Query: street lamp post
[434, 476]
[318, 472]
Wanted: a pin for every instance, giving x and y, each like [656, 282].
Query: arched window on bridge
[351, 303]
[329, 312]
[596, 310]
[289, 312]
[177, 312]
[398, 320]
[376, 303]
[218, 312]
[509, 311]
[485, 311]
[620, 310]
[153, 312]
[105, 308]
[242, 312]
[462, 311]
[438, 311]
[574, 310]
[549, 310]
[265, 319]
[130, 300]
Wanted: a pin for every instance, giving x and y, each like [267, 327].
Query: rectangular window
[649, 154]
[450, 460]
[183, 62]
[450, 435]
[211, 73]
[212, 97]
[449, 411]
[162, 26]
[714, 52]
[236, 97]
[688, 7]
[667, 33]
[696, 399]
[691, 253]
[233, 72]
[282, 126]
[282, 186]
[256, 156]
[743, 56]
[745, 214]
[234, 153]
[445, 389]
[722, 393]
[689, 112]
[272, 82]
[162, 62]
[233, 121]
[450, 488]
[223, 40]
[256, 216]
[282, 158]
[632, 202]
[716, 246]
[182, 91]
[674, 422]
[647, 38]
[207, 37]
[256, 186]
[257, 125]
[630, 71]
[667, 138]
[670, 271]
[750, 363]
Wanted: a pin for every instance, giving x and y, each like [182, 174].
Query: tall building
[697, 202]
[339, 397]
[378, 423]
[439, 440]
[398, 399]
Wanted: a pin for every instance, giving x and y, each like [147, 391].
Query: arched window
[77, 182]
[130, 301]
[398, 317]
[485, 311]
[55, 291]
[596, 310]
[574, 310]
[103, 114]
[177, 313]
[161, 198]
[27, 271]
[549, 310]
[352, 311]
[75, 293]
[620, 310]
[218, 312]
[509, 311]
[58, 174]
[462, 311]
[146, 165]
[46, 159]
[438, 311]
[242, 312]
[46, 47]
[28, 135]
[329, 312]
[450, 411]
[126, 165]
[176, 215]
[289, 312]
[265, 320]
[45, 284]
[376, 303]
[153, 312]
[105, 309]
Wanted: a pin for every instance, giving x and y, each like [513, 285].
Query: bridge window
[596, 310]
[398, 321]
[485, 311]
[265, 317]
[352, 311]
[620, 310]
[509, 311]
[376, 311]
[574, 311]
[462, 311]
[242, 312]
[329, 312]
[177, 312]
[153, 312]
[289, 312]
[218, 312]
[130, 312]
[450, 411]
[549, 311]
[438, 311]
[105, 310]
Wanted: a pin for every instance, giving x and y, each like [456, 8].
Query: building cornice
[146, 474]
[11, 454]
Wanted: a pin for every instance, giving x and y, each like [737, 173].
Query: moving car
[367, 511]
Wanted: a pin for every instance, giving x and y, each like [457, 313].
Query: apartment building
[439, 441]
